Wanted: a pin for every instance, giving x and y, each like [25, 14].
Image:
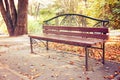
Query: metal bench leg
[86, 58]
[31, 46]
[103, 57]
[47, 45]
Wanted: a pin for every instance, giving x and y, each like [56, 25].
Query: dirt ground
[17, 63]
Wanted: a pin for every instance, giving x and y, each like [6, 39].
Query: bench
[86, 37]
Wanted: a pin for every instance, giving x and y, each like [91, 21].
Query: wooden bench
[79, 36]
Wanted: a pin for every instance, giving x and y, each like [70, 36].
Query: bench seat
[71, 40]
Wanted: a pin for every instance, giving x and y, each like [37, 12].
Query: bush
[34, 26]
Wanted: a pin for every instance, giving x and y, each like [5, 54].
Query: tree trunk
[13, 12]
[22, 17]
[16, 22]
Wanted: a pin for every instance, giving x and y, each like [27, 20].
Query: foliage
[34, 26]
[110, 9]
[40, 11]
[69, 6]
[2, 29]
[102, 9]
[116, 15]
[46, 14]
[37, 14]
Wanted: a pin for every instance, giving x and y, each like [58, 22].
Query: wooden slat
[84, 29]
[85, 35]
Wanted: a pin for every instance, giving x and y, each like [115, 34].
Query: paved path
[17, 63]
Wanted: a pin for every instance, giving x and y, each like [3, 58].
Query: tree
[15, 20]
[68, 6]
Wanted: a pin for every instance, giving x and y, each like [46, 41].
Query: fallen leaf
[109, 77]
[72, 79]
[36, 75]
[87, 78]
[112, 76]
[42, 64]
[34, 70]
[71, 63]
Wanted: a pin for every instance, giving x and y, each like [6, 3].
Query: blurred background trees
[40, 10]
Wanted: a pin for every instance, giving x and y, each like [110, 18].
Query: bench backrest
[87, 32]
